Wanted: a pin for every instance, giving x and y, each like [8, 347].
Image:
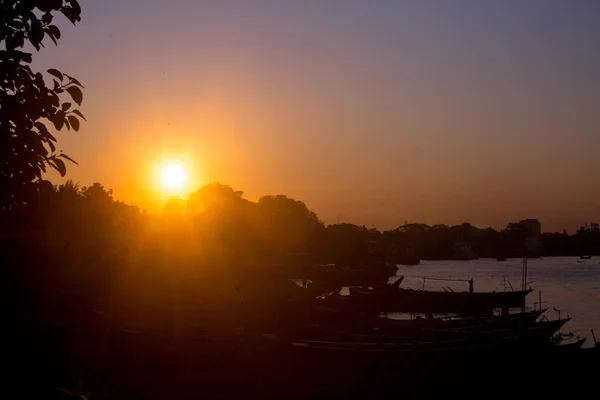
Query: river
[568, 284]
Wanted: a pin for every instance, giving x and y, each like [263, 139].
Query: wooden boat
[518, 320]
[423, 301]
[415, 331]
[521, 319]
[571, 347]
[530, 338]
[540, 332]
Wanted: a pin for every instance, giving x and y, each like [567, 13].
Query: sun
[173, 176]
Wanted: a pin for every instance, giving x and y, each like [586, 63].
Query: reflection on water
[569, 284]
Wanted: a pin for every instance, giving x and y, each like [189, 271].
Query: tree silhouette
[26, 104]
[215, 196]
[287, 223]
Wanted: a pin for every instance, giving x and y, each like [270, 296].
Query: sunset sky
[373, 112]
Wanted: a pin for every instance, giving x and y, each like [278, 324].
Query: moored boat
[534, 338]
[540, 332]
[518, 320]
[424, 301]
[570, 347]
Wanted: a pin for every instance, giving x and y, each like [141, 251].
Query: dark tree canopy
[27, 105]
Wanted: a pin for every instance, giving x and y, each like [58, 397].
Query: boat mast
[524, 278]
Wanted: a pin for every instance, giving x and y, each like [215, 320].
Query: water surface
[568, 284]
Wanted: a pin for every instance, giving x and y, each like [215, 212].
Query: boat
[531, 332]
[539, 331]
[519, 319]
[573, 347]
[384, 329]
[586, 257]
[515, 321]
[535, 337]
[501, 258]
[435, 302]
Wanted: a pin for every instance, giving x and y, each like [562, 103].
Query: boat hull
[421, 301]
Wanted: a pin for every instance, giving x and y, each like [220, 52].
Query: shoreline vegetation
[277, 225]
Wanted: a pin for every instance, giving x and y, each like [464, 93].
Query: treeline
[277, 225]
[218, 219]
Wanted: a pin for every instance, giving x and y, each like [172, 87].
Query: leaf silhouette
[58, 122]
[41, 127]
[54, 33]
[74, 80]
[74, 122]
[59, 165]
[68, 158]
[47, 17]
[77, 112]
[56, 73]
[52, 37]
[76, 94]
[36, 35]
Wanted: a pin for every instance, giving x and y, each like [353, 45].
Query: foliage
[27, 105]
[286, 223]
[218, 226]
[214, 196]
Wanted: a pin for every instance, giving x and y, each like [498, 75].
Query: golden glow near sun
[173, 176]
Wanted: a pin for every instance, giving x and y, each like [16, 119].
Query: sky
[371, 112]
